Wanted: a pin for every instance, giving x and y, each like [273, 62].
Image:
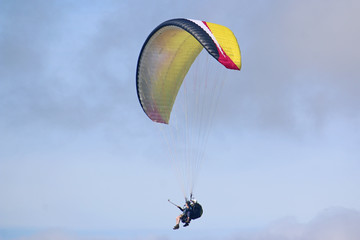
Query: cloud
[65, 69]
[90, 235]
[30, 90]
[331, 224]
[54, 235]
[334, 223]
[298, 68]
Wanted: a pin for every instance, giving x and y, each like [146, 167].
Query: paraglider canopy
[167, 55]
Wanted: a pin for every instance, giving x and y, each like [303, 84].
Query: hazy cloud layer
[42, 81]
[330, 224]
[299, 70]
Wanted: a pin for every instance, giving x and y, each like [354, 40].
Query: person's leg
[178, 219]
[177, 222]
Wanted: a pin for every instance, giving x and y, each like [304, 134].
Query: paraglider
[191, 210]
[164, 61]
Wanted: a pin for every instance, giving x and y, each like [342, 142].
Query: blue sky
[80, 160]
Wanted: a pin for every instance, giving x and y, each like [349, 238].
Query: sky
[79, 159]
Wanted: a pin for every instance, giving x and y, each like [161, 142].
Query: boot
[176, 227]
[187, 222]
